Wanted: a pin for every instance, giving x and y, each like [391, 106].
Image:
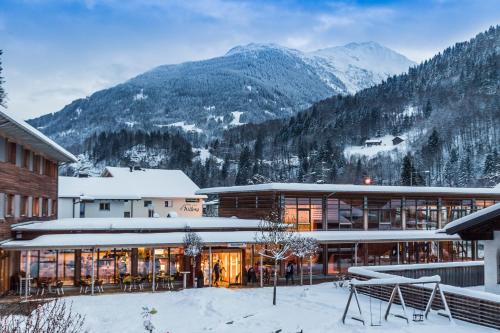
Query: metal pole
[210, 266]
[154, 271]
[93, 272]
[261, 271]
[27, 275]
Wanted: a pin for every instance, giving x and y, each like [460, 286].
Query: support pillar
[365, 213]
[403, 215]
[210, 266]
[397, 253]
[311, 270]
[93, 274]
[261, 272]
[27, 276]
[355, 254]
[153, 285]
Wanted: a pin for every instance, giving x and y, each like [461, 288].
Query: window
[147, 203]
[45, 207]
[126, 214]
[11, 152]
[36, 207]
[197, 200]
[169, 203]
[36, 163]
[24, 205]
[53, 208]
[104, 206]
[9, 209]
[26, 158]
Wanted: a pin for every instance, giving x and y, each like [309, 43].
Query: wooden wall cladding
[18, 180]
[247, 205]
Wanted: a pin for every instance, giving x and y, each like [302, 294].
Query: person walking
[289, 272]
[216, 273]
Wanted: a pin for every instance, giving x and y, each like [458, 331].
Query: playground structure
[395, 283]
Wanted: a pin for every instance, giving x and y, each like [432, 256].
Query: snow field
[304, 309]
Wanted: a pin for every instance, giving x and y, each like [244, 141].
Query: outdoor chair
[84, 286]
[98, 286]
[59, 288]
[41, 287]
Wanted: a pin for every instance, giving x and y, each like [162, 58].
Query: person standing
[289, 272]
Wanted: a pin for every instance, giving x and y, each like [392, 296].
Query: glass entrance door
[226, 268]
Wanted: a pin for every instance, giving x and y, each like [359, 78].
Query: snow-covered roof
[82, 240]
[95, 188]
[349, 188]
[137, 224]
[373, 141]
[482, 216]
[121, 183]
[25, 134]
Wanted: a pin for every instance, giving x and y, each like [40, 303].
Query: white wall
[117, 208]
[492, 264]
[179, 205]
[64, 208]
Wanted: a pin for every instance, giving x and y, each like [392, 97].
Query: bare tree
[303, 247]
[52, 317]
[193, 245]
[276, 239]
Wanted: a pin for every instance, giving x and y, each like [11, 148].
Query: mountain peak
[255, 48]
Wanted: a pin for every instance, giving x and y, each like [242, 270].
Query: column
[398, 255]
[210, 266]
[356, 254]
[93, 273]
[403, 214]
[153, 285]
[261, 272]
[365, 213]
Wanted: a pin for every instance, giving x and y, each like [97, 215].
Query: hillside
[249, 84]
[447, 110]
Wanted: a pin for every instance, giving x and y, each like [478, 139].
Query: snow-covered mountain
[249, 84]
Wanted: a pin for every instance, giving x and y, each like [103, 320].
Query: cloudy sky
[58, 50]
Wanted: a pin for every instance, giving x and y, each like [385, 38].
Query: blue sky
[59, 50]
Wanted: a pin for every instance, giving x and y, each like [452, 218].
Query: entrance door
[229, 263]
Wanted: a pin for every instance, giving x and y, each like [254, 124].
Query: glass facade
[385, 214]
[421, 214]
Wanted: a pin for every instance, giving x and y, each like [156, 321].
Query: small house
[371, 143]
[397, 140]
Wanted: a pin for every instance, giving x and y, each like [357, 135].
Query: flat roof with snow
[349, 188]
[101, 240]
[137, 224]
[126, 183]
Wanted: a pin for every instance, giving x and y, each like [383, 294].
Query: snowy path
[300, 309]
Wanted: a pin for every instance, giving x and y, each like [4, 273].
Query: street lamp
[367, 180]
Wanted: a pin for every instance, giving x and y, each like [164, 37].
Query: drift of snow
[185, 127]
[372, 151]
[236, 118]
[140, 96]
[315, 308]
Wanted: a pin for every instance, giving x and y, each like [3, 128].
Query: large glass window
[47, 264]
[384, 214]
[305, 213]
[340, 258]
[66, 266]
[455, 209]
[344, 214]
[421, 214]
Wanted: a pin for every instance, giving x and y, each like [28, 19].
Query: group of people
[252, 275]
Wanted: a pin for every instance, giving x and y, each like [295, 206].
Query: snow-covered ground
[300, 309]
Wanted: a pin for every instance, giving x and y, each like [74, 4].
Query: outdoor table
[184, 279]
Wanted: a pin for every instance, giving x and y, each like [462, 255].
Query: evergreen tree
[451, 168]
[427, 109]
[244, 167]
[224, 173]
[406, 170]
